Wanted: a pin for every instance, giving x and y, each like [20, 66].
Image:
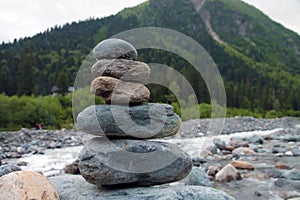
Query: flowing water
[54, 160]
[51, 162]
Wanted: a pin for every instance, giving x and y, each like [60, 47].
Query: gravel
[199, 127]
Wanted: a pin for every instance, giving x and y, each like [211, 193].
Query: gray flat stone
[197, 177]
[114, 48]
[296, 152]
[291, 174]
[141, 121]
[286, 183]
[132, 162]
[76, 188]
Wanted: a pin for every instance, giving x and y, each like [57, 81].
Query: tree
[62, 82]
[26, 71]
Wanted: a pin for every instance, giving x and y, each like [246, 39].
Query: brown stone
[243, 151]
[213, 170]
[218, 158]
[238, 143]
[267, 137]
[206, 153]
[256, 175]
[24, 185]
[282, 166]
[126, 70]
[22, 163]
[228, 173]
[72, 168]
[229, 148]
[238, 164]
[119, 92]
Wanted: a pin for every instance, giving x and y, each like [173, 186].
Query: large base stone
[132, 162]
[141, 121]
[76, 188]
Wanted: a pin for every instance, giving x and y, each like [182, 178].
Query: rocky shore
[261, 162]
[27, 141]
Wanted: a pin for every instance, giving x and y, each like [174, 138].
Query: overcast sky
[22, 18]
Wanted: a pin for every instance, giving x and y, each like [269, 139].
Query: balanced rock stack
[121, 155]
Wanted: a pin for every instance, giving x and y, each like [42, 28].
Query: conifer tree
[26, 71]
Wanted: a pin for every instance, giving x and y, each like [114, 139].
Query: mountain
[258, 58]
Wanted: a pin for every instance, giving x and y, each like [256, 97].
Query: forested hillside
[258, 58]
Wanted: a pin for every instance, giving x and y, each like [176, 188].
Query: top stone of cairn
[113, 49]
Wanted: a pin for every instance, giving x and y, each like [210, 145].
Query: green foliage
[26, 71]
[260, 63]
[82, 98]
[62, 82]
[206, 112]
[57, 112]
[26, 111]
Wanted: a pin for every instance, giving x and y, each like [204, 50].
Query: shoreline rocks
[75, 187]
[26, 185]
[264, 180]
[26, 141]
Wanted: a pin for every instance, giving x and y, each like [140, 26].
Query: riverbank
[29, 142]
[274, 146]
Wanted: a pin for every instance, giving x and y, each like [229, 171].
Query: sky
[20, 18]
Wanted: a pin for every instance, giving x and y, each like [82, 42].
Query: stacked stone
[120, 154]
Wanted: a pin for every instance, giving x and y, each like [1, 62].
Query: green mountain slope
[259, 59]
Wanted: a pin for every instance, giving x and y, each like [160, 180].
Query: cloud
[26, 18]
[286, 12]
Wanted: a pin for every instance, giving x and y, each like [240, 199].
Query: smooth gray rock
[197, 177]
[126, 70]
[6, 169]
[74, 187]
[290, 184]
[296, 152]
[197, 161]
[278, 150]
[132, 162]
[274, 173]
[291, 138]
[255, 139]
[220, 144]
[291, 174]
[140, 121]
[114, 48]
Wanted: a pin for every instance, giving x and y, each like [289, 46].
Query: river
[54, 160]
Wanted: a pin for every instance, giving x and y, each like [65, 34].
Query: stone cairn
[121, 155]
